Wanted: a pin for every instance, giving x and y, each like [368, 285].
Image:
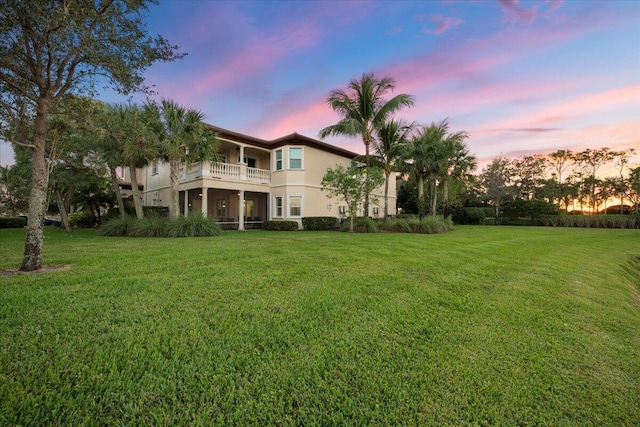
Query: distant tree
[495, 183]
[183, 137]
[633, 187]
[622, 161]
[363, 111]
[528, 174]
[389, 148]
[350, 185]
[52, 47]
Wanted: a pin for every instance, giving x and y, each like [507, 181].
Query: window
[295, 158]
[295, 205]
[154, 168]
[278, 165]
[221, 208]
[277, 206]
[250, 162]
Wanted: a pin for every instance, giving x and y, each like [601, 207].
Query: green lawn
[480, 326]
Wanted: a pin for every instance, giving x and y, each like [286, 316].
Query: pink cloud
[443, 24]
[515, 13]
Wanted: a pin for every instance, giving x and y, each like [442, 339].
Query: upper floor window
[154, 168]
[295, 158]
[278, 165]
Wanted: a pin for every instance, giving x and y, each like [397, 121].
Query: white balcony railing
[228, 171]
[225, 171]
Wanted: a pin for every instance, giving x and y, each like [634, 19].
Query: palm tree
[388, 149]
[417, 158]
[364, 110]
[458, 165]
[183, 137]
[131, 125]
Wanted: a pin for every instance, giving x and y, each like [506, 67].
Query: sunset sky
[521, 77]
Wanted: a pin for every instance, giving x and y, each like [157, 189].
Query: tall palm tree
[458, 164]
[417, 158]
[183, 137]
[132, 126]
[389, 148]
[364, 110]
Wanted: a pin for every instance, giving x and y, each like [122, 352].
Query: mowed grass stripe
[480, 326]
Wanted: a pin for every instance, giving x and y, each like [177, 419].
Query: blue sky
[521, 77]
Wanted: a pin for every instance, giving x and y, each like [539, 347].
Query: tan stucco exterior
[269, 180]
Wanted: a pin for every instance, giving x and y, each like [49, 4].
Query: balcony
[226, 172]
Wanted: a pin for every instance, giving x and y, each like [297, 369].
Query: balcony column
[241, 210]
[186, 202]
[241, 159]
[205, 202]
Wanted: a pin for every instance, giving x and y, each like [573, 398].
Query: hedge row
[319, 222]
[13, 221]
[280, 225]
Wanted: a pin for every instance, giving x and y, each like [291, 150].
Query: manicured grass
[479, 326]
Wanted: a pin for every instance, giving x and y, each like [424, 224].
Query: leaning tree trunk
[174, 199]
[64, 213]
[39, 182]
[136, 191]
[115, 186]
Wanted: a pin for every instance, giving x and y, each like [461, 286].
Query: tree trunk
[445, 197]
[386, 194]
[366, 178]
[39, 183]
[64, 213]
[115, 186]
[434, 196]
[174, 199]
[420, 195]
[136, 191]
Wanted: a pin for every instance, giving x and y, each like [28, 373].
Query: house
[265, 180]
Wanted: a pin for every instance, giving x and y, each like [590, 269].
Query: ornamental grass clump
[193, 225]
[361, 225]
[398, 225]
[152, 226]
[431, 225]
[118, 226]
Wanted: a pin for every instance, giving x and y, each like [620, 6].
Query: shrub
[84, 219]
[152, 226]
[193, 225]
[13, 221]
[118, 226]
[473, 215]
[280, 225]
[319, 222]
[360, 225]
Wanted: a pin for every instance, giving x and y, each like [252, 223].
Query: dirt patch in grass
[45, 269]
